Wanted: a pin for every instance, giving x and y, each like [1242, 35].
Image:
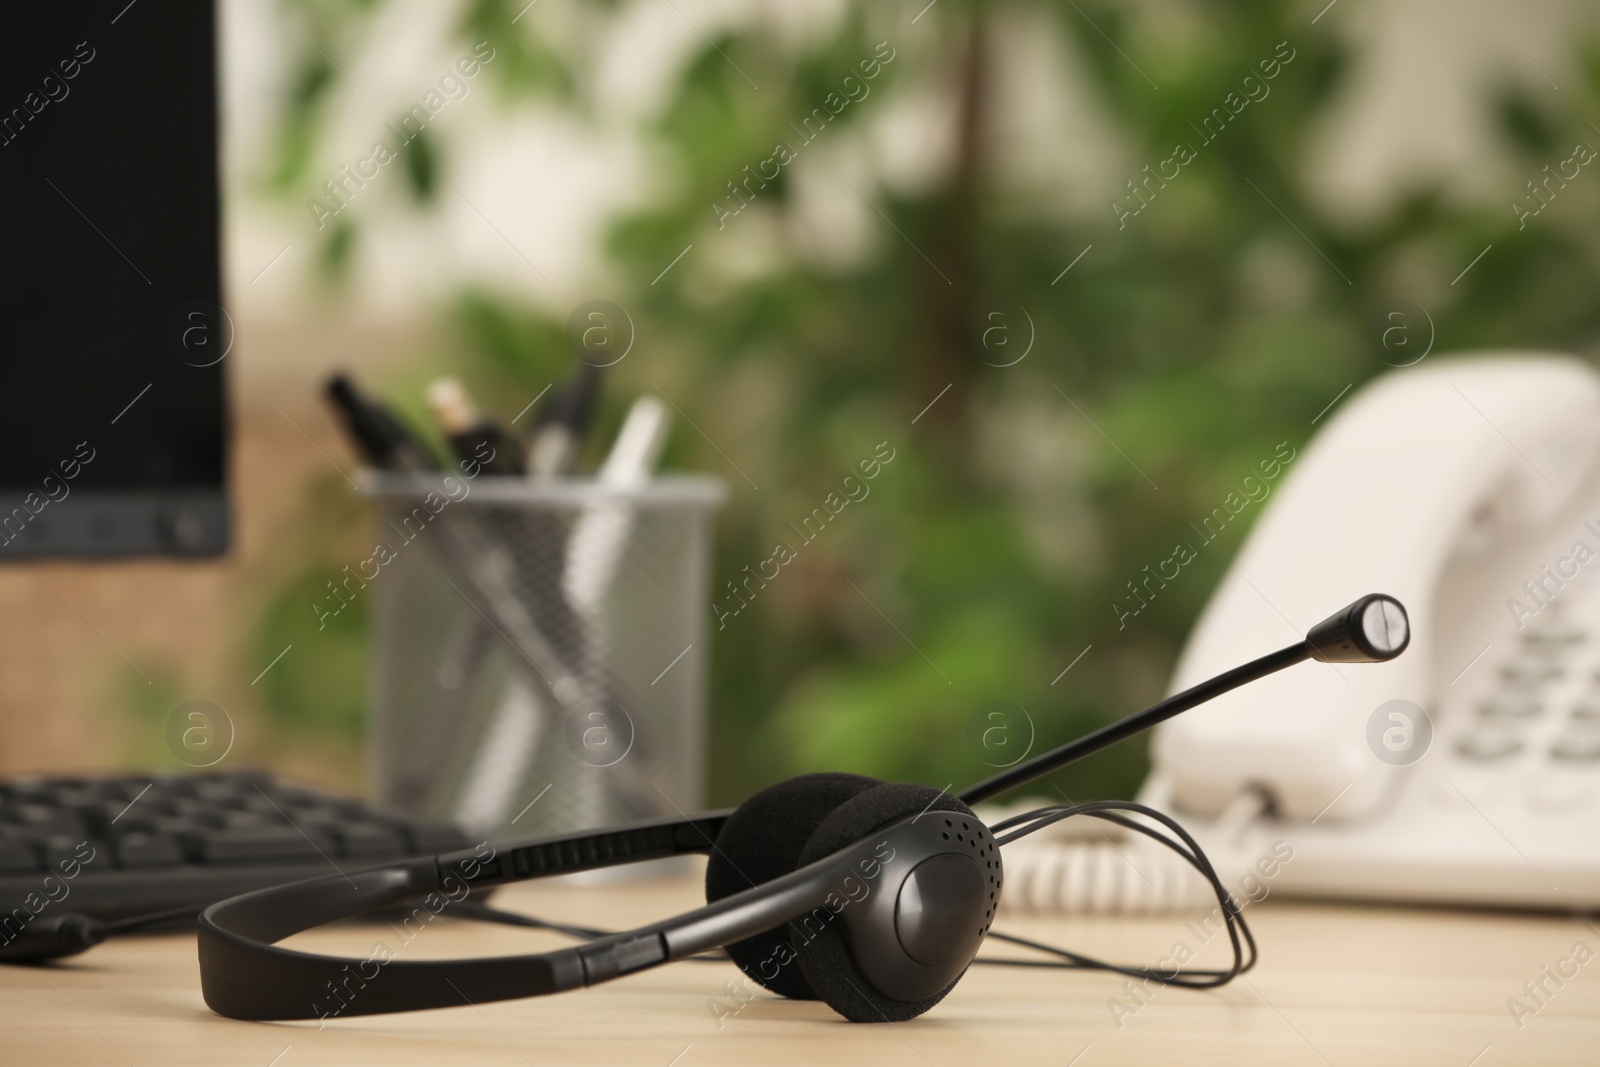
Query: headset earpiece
[763, 840]
[925, 922]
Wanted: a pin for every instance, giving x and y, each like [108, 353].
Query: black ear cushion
[825, 959]
[762, 840]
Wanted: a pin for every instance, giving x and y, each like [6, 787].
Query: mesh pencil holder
[540, 650]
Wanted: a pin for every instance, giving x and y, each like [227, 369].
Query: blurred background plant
[905, 280]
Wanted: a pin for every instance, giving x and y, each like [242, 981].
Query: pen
[600, 536]
[585, 563]
[380, 437]
[559, 427]
[462, 545]
[509, 744]
[471, 435]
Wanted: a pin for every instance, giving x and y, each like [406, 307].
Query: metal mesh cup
[540, 650]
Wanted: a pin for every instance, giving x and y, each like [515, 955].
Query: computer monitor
[112, 405]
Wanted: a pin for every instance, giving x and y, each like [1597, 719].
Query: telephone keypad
[1586, 713]
[1488, 748]
[1554, 638]
[1564, 794]
[1530, 735]
[1502, 708]
[1530, 674]
[1576, 748]
[1533, 725]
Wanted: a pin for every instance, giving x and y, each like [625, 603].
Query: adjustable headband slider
[584, 850]
[603, 960]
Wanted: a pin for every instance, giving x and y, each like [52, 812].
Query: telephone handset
[1462, 487]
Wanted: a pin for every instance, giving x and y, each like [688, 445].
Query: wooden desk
[1335, 986]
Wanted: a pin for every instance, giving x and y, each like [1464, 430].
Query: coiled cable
[1106, 875]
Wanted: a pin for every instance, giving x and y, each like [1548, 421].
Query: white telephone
[1469, 488]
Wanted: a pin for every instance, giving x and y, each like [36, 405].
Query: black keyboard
[113, 848]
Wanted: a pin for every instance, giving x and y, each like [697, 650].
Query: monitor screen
[112, 415]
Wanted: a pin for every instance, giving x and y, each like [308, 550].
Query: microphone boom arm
[1373, 629]
[1110, 734]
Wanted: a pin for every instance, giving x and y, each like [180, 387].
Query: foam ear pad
[825, 959]
[762, 840]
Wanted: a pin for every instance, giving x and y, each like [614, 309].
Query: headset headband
[245, 976]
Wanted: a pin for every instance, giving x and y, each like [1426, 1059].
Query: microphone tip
[1374, 629]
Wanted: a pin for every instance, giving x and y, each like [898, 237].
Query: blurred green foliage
[1176, 354]
[150, 705]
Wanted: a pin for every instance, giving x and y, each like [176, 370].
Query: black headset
[871, 896]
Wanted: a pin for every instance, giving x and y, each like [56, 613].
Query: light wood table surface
[1336, 985]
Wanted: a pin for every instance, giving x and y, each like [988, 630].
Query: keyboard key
[129, 824]
[189, 807]
[117, 812]
[226, 820]
[127, 789]
[69, 853]
[429, 838]
[266, 805]
[78, 798]
[17, 857]
[161, 785]
[243, 782]
[148, 850]
[370, 842]
[44, 819]
[173, 825]
[216, 791]
[262, 844]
